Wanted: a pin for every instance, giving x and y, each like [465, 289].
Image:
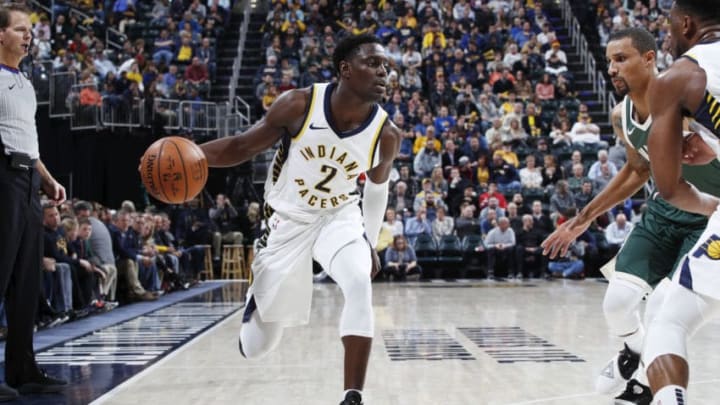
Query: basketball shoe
[617, 372]
[352, 398]
[635, 393]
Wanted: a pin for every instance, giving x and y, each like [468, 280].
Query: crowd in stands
[168, 52]
[497, 145]
[610, 16]
[95, 258]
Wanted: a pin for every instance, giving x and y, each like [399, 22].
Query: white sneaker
[615, 375]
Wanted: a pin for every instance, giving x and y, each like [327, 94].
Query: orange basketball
[174, 170]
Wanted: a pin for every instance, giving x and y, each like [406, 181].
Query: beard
[623, 89]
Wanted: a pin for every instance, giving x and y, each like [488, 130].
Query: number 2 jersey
[315, 171]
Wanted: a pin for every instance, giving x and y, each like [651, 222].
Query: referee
[22, 174]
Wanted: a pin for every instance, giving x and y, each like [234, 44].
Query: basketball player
[689, 88]
[22, 174]
[329, 134]
[665, 233]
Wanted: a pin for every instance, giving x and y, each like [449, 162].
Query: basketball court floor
[437, 342]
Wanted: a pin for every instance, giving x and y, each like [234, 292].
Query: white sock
[671, 395]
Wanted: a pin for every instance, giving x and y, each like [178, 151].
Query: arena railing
[114, 38]
[37, 5]
[245, 106]
[237, 64]
[40, 79]
[117, 112]
[168, 110]
[60, 88]
[201, 116]
[82, 116]
[580, 43]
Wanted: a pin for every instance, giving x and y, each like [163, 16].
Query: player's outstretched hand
[560, 240]
[375, 263]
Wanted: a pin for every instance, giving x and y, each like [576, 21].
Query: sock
[671, 395]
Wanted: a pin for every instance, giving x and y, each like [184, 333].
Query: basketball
[174, 170]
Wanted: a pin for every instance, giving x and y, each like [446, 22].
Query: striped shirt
[17, 113]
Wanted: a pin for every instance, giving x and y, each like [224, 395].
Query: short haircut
[705, 10]
[49, 205]
[6, 9]
[641, 39]
[84, 221]
[82, 206]
[348, 47]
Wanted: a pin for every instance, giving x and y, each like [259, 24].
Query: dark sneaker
[352, 398]
[42, 384]
[617, 372]
[635, 394]
[7, 393]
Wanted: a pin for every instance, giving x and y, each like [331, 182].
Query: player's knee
[621, 299]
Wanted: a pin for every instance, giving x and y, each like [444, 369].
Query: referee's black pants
[21, 241]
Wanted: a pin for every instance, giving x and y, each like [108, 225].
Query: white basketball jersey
[706, 120]
[315, 172]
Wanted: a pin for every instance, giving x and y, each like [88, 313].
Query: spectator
[504, 175]
[426, 160]
[604, 178]
[467, 223]
[531, 175]
[125, 247]
[392, 224]
[541, 222]
[602, 156]
[223, 216]
[577, 179]
[562, 199]
[442, 225]
[206, 53]
[100, 247]
[450, 156]
[400, 198]
[545, 90]
[417, 225]
[400, 260]
[584, 195]
[569, 266]
[500, 246]
[584, 132]
[197, 75]
[528, 253]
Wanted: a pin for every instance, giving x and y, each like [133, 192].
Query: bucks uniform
[311, 206]
[665, 233]
[699, 268]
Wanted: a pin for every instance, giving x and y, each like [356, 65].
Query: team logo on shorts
[709, 248]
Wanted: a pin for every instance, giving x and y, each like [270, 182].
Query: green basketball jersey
[706, 178]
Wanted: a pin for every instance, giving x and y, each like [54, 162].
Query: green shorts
[654, 248]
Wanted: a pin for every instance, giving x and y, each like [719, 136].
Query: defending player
[664, 234]
[689, 88]
[329, 134]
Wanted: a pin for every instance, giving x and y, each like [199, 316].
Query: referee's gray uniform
[21, 234]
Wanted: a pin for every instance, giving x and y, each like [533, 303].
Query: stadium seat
[426, 251]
